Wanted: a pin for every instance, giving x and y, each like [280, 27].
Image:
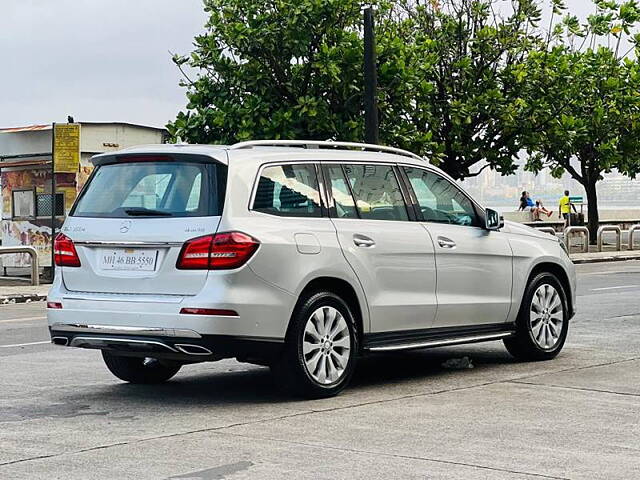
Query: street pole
[53, 199]
[370, 80]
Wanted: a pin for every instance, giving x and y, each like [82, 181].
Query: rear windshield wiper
[142, 212]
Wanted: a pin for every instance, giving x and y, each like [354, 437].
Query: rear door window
[150, 189]
[377, 192]
[343, 204]
[288, 191]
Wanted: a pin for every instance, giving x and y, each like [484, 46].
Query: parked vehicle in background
[301, 256]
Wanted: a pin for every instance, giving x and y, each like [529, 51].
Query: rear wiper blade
[141, 211]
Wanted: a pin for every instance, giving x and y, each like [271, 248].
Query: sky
[101, 60]
[98, 60]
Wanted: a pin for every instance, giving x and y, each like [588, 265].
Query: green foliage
[274, 69]
[584, 115]
[457, 82]
[459, 101]
[587, 106]
[293, 69]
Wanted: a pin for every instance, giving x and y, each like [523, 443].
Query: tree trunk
[592, 210]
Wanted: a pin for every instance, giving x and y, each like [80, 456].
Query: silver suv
[298, 255]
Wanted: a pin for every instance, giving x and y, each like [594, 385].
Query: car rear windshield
[153, 189]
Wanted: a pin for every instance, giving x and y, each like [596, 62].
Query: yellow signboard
[66, 147]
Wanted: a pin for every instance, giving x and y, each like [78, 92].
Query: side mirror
[493, 220]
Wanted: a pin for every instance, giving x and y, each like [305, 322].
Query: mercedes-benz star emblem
[125, 226]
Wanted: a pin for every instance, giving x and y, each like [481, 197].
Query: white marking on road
[24, 344]
[23, 319]
[614, 288]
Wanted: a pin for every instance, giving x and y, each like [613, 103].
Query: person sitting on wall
[523, 202]
[541, 208]
[535, 211]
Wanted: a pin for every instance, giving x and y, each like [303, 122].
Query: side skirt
[435, 337]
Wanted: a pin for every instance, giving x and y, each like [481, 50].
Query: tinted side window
[288, 191]
[377, 192]
[440, 200]
[343, 202]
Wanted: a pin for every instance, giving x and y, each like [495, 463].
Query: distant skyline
[102, 60]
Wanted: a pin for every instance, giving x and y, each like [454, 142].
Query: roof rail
[324, 144]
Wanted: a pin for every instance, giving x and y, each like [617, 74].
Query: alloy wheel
[546, 316]
[326, 345]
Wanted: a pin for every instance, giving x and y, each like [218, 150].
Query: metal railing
[632, 230]
[610, 228]
[549, 230]
[35, 265]
[571, 230]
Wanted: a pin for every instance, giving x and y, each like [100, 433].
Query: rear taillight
[217, 252]
[64, 252]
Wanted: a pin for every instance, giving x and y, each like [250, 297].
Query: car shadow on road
[238, 384]
[424, 364]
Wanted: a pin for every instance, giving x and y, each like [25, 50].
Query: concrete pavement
[62, 415]
[22, 293]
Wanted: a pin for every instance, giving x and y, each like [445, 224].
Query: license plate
[130, 259]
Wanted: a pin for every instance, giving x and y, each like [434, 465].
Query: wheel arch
[342, 289]
[557, 271]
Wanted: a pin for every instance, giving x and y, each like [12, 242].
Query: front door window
[440, 200]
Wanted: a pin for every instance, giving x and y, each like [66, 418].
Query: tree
[584, 99]
[459, 99]
[294, 69]
[274, 69]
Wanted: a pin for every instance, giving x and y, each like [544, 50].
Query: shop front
[28, 207]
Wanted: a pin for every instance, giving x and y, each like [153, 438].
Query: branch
[475, 174]
[574, 173]
[181, 70]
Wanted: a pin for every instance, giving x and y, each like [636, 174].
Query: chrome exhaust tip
[193, 349]
[62, 341]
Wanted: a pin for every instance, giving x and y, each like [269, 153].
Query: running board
[440, 342]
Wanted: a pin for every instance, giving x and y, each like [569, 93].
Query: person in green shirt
[565, 208]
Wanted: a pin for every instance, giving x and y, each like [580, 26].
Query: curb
[22, 298]
[579, 261]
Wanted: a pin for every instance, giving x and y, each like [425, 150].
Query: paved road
[406, 416]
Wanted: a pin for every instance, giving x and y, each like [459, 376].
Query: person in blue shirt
[527, 203]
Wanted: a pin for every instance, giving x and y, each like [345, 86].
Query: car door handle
[445, 242]
[363, 241]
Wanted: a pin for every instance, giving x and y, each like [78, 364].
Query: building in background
[25, 179]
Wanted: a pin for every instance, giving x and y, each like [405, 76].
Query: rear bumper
[169, 344]
[258, 310]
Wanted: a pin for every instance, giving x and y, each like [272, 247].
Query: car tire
[138, 369]
[320, 349]
[543, 320]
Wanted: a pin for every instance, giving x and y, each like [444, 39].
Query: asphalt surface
[62, 415]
